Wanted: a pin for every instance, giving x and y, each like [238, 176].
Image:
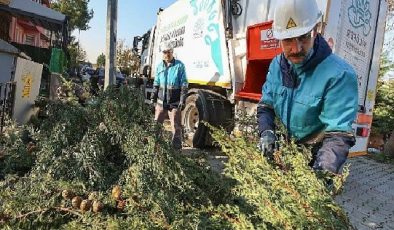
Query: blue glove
[267, 143]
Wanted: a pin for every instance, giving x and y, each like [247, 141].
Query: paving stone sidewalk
[368, 195]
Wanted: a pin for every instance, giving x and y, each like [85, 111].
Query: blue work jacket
[321, 98]
[171, 83]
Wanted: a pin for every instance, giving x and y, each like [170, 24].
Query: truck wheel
[204, 106]
[194, 131]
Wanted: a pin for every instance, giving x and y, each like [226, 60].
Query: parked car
[87, 73]
[120, 79]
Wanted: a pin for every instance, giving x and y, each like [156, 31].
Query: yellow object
[116, 192]
[5, 2]
[28, 80]
[211, 83]
[357, 154]
[291, 24]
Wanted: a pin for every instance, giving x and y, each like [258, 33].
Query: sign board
[351, 31]
[267, 40]
[355, 30]
[195, 27]
[28, 79]
[261, 44]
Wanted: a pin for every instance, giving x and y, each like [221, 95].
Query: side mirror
[136, 40]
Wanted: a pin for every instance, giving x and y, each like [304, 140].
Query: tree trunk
[389, 146]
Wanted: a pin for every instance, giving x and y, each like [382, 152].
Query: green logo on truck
[212, 33]
[360, 15]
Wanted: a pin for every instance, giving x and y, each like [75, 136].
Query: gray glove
[333, 153]
[154, 95]
[181, 105]
[182, 101]
[267, 143]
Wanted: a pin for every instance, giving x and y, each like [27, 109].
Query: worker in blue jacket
[311, 90]
[170, 89]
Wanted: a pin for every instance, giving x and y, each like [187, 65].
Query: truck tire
[208, 107]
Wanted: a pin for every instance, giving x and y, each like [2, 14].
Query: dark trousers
[176, 124]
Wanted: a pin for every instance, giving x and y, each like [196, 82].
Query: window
[30, 40]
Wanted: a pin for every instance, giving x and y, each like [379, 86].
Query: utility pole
[112, 17]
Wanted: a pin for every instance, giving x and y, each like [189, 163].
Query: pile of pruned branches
[106, 165]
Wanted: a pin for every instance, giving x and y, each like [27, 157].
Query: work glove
[267, 143]
[181, 106]
[154, 95]
[153, 100]
[333, 153]
[182, 101]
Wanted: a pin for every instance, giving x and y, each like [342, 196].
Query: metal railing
[7, 99]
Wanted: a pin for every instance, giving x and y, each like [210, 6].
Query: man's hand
[153, 98]
[181, 106]
[154, 95]
[333, 153]
[182, 101]
[267, 143]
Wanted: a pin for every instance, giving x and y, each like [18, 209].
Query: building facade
[25, 32]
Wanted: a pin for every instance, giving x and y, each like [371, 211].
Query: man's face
[296, 49]
[168, 55]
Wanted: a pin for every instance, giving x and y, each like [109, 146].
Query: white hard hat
[293, 18]
[166, 46]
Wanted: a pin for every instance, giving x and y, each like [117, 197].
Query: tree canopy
[77, 54]
[126, 59]
[100, 60]
[77, 10]
[383, 116]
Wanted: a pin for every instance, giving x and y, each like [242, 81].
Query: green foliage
[76, 54]
[79, 17]
[385, 65]
[283, 194]
[383, 116]
[17, 148]
[114, 148]
[382, 158]
[77, 10]
[127, 61]
[100, 60]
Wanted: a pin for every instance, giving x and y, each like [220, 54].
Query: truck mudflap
[205, 106]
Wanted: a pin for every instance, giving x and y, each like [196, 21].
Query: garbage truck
[227, 47]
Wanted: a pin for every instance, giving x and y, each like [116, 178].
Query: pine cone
[85, 205]
[97, 206]
[76, 201]
[67, 194]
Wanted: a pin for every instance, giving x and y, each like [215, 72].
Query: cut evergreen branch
[111, 152]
